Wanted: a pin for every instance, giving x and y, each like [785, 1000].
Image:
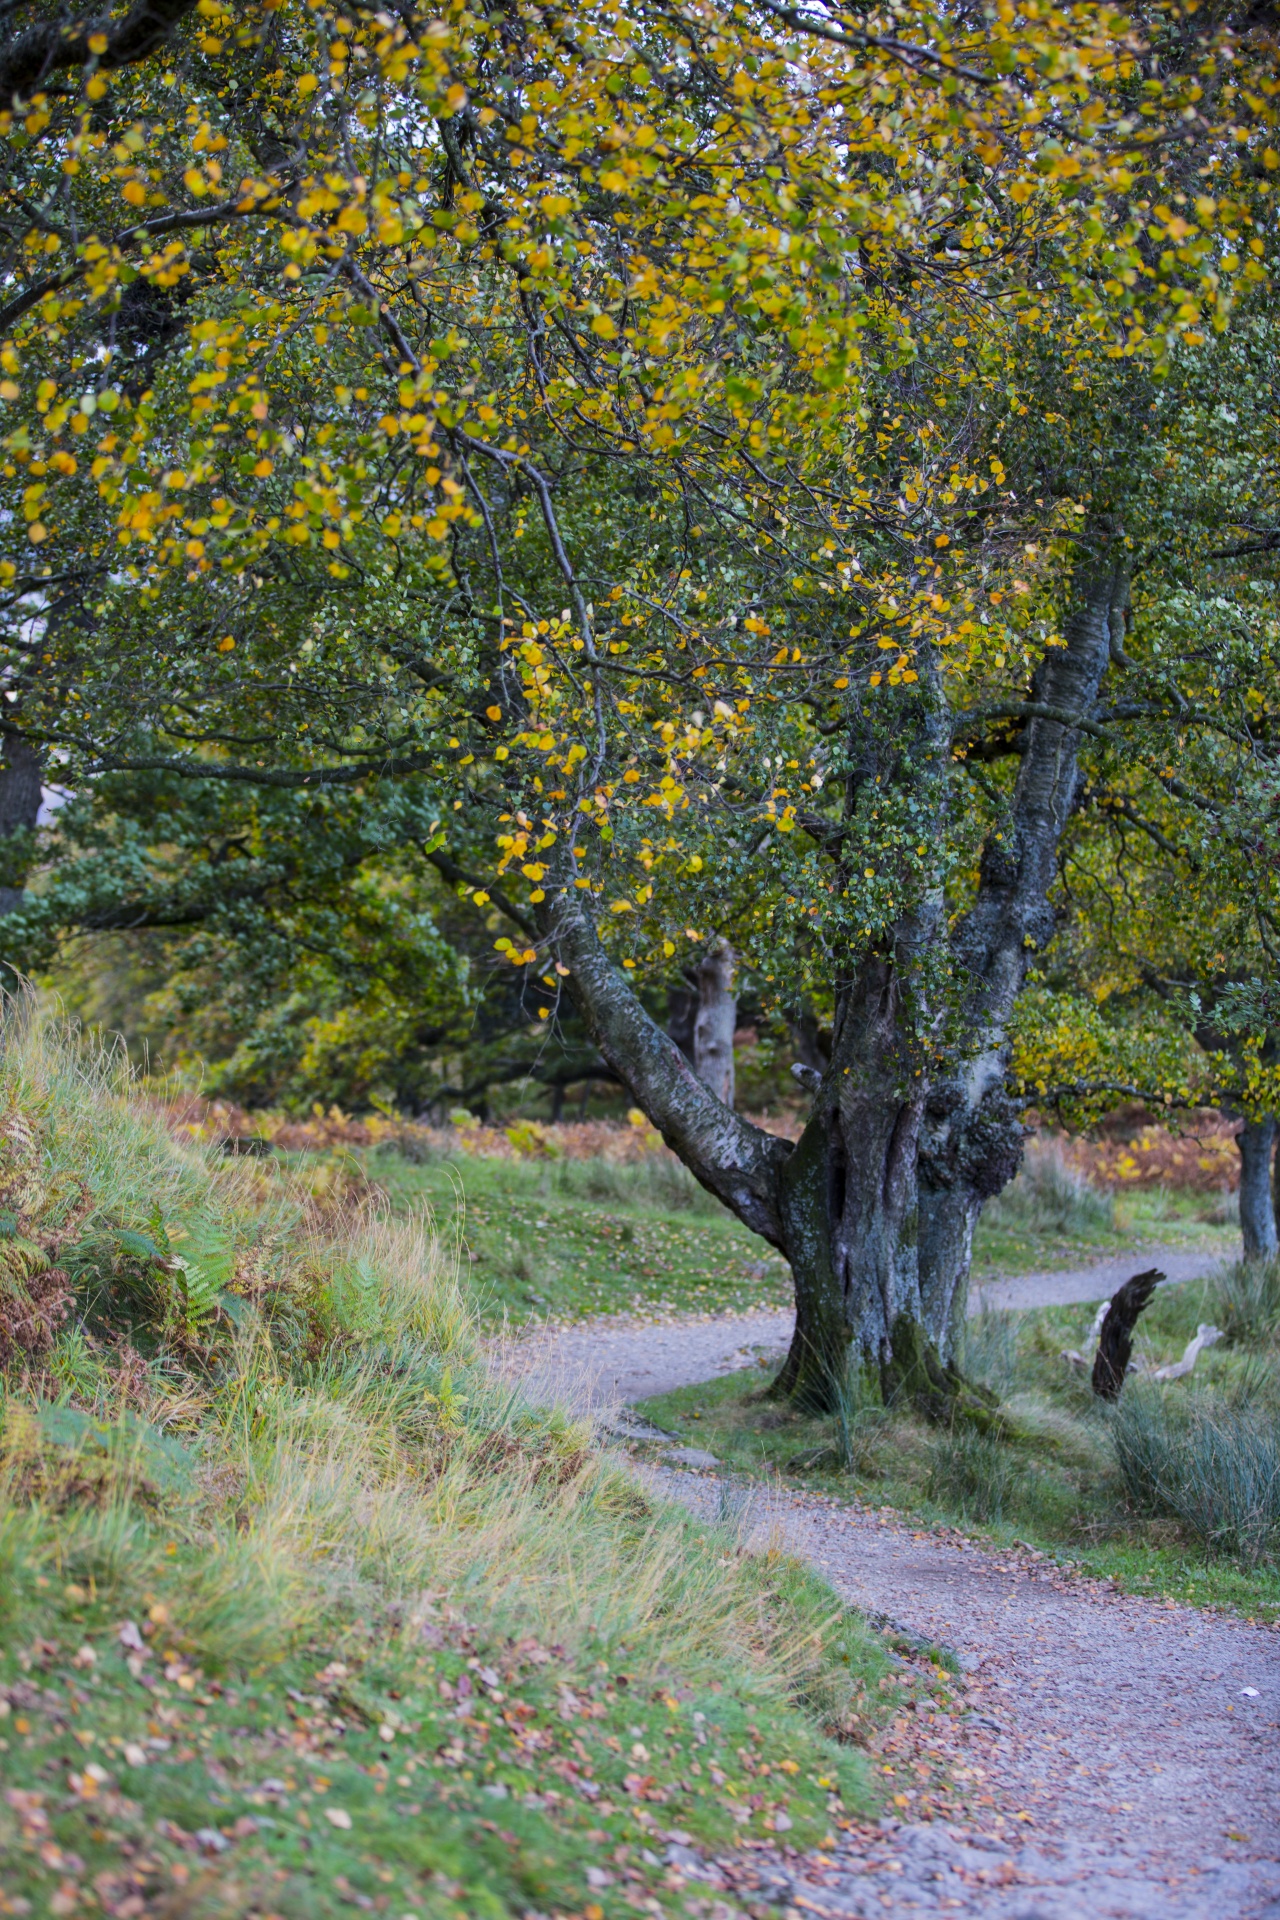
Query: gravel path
[1126, 1749]
[1129, 1747]
[621, 1358]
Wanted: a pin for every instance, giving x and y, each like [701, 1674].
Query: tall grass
[860, 1418]
[1245, 1299]
[973, 1474]
[1213, 1467]
[1050, 1196]
[988, 1349]
[339, 1450]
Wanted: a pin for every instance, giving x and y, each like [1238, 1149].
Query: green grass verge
[570, 1239]
[1012, 1239]
[300, 1610]
[574, 1238]
[1051, 1481]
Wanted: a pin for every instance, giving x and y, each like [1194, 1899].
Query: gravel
[1123, 1750]
[598, 1363]
[1114, 1732]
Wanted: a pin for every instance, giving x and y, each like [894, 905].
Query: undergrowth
[1049, 1195]
[302, 1608]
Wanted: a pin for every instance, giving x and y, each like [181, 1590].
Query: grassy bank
[302, 1611]
[1178, 1494]
[574, 1237]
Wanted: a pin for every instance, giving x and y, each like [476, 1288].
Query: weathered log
[1115, 1342]
[1206, 1336]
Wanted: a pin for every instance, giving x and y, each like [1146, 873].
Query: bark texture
[849, 1197]
[715, 1022]
[971, 1137]
[21, 788]
[1257, 1208]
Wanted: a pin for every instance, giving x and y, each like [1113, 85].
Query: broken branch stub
[1115, 1342]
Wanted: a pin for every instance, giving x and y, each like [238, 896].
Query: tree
[597, 440]
[1171, 868]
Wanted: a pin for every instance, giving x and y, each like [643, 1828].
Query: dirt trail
[1128, 1746]
[621, 1358]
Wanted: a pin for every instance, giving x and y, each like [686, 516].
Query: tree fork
[971, 1142]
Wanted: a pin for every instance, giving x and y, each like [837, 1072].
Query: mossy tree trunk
[912, 1128]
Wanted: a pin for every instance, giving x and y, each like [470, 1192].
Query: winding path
[1120, 1754]
[620, 1358]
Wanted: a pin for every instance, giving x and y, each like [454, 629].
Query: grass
[1050, 1217]
[1177, 1495]
[569, 1239]
[300, 1610]
[572, 1238]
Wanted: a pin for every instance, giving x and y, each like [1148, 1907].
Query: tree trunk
[1257, 1209]
[21, 789]
[875, 1207]
[848, 1196]
[682, 1011]
[715, 1022]
[971, 1138]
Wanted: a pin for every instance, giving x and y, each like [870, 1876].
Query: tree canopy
[649, 473]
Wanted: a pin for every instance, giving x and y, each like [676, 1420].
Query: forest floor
[1105, 1752]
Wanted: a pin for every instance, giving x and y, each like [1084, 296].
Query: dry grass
[337, 1446]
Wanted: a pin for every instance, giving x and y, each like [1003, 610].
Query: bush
[1215, 1468]
[1245, 1300]
[1050, 1196]
[972, 1474]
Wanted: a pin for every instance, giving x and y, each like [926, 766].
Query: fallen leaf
[338, 1817]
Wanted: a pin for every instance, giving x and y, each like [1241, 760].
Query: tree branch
[733, 1159]
[28, 60]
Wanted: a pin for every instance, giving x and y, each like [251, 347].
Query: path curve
[623, 1357]
[1129, 1746]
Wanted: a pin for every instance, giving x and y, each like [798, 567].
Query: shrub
[1245, 1299]
[1215, 1468]
[1051, 1196]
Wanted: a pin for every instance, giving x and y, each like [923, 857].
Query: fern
[204, 1268]
[198, 1289]
[19, 1260]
